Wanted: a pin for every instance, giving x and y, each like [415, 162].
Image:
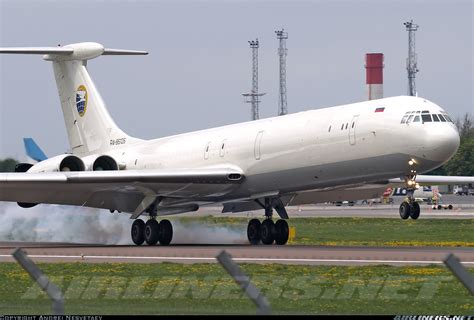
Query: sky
[200, 62]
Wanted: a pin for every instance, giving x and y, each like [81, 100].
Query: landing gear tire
[152, 232]
[166, 232]
[138, 232]
[267, 232]
[282, 232]
[253, 231]
[404, 210]
[414, 210]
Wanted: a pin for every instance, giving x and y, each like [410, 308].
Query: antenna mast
[412, 57]
[253, 96]
[282, 52]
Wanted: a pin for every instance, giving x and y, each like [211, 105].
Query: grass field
[364, 231]
[206, 288]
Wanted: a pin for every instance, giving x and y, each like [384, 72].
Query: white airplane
[347, 152]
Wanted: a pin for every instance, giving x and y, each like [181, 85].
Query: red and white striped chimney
[374, 75]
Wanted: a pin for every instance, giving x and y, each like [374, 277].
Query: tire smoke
[54, 223]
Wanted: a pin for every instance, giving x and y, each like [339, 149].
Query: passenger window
[206, 150]
[416, 119]
[435, 118]
[426, 117]
[222, 152]
[441, 118]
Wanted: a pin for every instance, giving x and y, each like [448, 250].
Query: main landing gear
[269, 232]
[152, 232]
[409, 207]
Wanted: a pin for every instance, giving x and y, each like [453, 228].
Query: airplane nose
[442, 143]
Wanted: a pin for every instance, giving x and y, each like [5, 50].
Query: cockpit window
[426, 117]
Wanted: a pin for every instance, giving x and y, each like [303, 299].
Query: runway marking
[239, 259]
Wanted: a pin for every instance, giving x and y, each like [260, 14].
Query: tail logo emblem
[81, 100]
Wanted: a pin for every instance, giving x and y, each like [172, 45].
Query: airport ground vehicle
[345, 202]
[463, 190]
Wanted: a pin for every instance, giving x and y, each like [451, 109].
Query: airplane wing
[340, 193]
[126, 191]
[437, 180]
[343, 193]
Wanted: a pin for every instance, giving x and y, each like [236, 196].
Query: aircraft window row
[346, 125]
[414, 116]
[343, 126]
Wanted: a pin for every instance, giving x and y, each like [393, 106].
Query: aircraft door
[258, 142]
[352, 130]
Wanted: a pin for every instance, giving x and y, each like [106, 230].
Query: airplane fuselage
[342, 145]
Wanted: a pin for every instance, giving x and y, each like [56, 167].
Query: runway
[463, 208]
[303, 255]
[464, 211]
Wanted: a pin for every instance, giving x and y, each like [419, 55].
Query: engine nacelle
[23, 167]
[105, 163]
[101, 163]
[64, 162]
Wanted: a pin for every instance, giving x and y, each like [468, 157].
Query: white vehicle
[348, 152]
[461, 190]
[421, 194]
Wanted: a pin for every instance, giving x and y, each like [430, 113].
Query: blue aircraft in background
[33, 150]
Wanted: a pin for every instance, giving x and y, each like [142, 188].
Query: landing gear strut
[152, 232]
[269, 232]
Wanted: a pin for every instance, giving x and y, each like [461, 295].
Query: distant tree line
[8, 165]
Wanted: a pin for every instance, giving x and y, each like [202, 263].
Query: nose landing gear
[409, 207]
[409, 210]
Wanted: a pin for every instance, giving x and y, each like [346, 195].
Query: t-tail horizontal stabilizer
[76, 51]
[90, 128]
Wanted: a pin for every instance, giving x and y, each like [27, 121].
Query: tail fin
[88, 123]
[33, 150]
